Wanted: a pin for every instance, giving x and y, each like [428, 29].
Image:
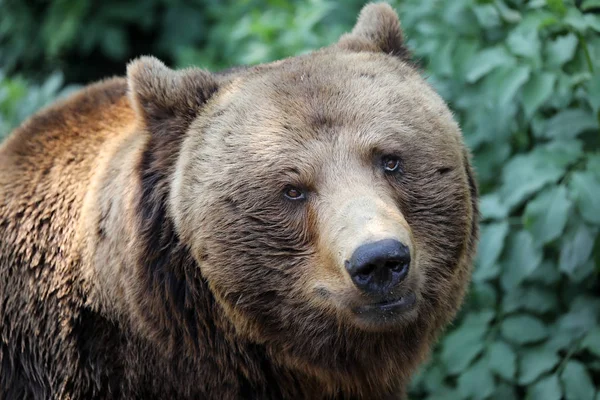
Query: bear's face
[328, 201]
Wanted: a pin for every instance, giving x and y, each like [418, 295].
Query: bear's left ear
[161, 95]
[377, 30]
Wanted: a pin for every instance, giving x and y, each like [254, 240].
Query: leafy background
[523, 78]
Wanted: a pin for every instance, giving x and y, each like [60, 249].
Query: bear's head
[327, 200]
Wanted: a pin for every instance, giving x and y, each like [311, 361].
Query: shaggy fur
[147, 251]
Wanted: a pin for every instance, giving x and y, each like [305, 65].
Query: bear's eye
[293, 193]
[391, 164]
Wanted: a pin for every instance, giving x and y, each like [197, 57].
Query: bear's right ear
[159, 94]
[377, 30]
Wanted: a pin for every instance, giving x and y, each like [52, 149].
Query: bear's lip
[389, 306]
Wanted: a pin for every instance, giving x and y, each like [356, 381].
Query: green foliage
[523, 79]
[18, 100]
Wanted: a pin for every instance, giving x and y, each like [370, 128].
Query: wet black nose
[379, 266]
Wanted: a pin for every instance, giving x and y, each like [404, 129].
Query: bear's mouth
[388, 307]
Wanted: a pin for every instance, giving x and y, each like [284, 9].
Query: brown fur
[146, 250]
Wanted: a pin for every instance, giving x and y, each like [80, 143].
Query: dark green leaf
[445, 393]
[525, 174]
[484, 296]
[508, 14]
[486, 60]
[593, 91]
[576, 248]
[577, 382]
[487, 16]
[561, 49]
[476, 382]
[546, 215]
[569, 123]
[502, 360]
[525, 42]
[586, 188]
[593, 164]
[535, 299]
[536, 362]
[547, 388]
[592, 341]
[512, 81]
[575, 19]
[536, 91]
[490, 247]
[558, 6]
[582, 317]
[504, 391]
[523, 329]
[434, 377]
[590, 4]
[464, 343]
[522, 259]
[491, 207]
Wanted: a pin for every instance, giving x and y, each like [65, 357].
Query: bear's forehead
[321, 95]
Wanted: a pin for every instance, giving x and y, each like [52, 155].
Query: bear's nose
[379, 266]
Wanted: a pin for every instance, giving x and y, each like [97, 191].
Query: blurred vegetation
[523, 78]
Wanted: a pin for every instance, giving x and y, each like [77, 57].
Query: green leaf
[522, 259]
[464, 343]
[476, 382]
[575, 20]
[512, 81]
[484, 296]
[593, 91]
[561, 50]
[504, 391]
[581, 318]
[593, 164]
[491, 206]
[508, 14]
[486, 60]
[525, 42]
[589, 4]
[502, 360]
[576, 248]
[434, 377]
[536, 362]
[527, 298]
[487, 16]
[445, 393]
[523, 329]
[593, 22]
[490, 247]
[536, 91]
[525, 174]
[577, 382]
[569, 123]
[546, 215]
[547, 388]
[558, 6]
[592, 341]
[586, 188]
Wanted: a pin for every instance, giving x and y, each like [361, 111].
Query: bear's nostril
[366, 272]
[395, 266]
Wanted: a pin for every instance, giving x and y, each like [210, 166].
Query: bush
[522, 78]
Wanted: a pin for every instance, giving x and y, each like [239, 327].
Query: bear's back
[45, 169]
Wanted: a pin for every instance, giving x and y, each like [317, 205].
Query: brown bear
[302, 229]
